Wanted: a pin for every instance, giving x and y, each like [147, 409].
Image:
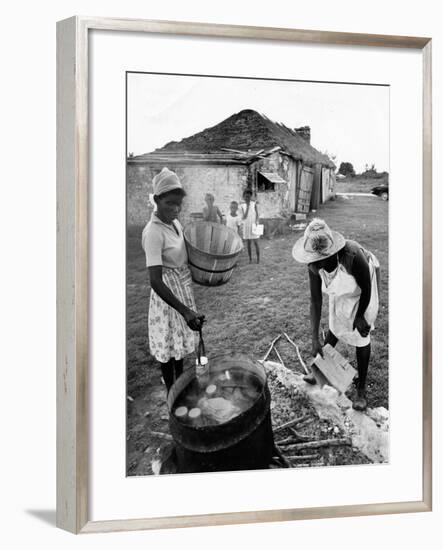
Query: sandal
[310, 379]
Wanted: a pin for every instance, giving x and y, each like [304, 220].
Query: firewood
[302, 363]
[271, 346]
[318, 444]
[305, 422]
[282, 456]
[279, 356]
[161, 435]
[298, 435]
[291, 423]
[302, 457]
[289, 439]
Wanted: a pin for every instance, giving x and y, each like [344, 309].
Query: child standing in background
[250, 218]
[233, 219]
[211, 213]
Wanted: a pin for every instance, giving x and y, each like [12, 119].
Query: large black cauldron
[243, 443]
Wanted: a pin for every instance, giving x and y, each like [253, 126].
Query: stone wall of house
[273, 204]
[226, 183]
[138, 187]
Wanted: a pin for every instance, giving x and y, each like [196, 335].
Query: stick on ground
[302, 457]
[289, 439]
[298, 435]
[302, 363]
[318, 444]
[279, 356]
[161, 435]
[271, 346]
[282, 456]
[298, 420]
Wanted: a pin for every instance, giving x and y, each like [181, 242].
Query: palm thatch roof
[246, 133]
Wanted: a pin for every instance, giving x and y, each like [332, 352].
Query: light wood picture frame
[72, 270]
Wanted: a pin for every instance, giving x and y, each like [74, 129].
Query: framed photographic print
[244, 274]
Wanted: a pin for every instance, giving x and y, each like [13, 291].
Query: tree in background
[346, 169]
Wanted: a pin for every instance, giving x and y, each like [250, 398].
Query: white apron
[344, 296]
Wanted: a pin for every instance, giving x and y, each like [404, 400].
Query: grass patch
[359, 184]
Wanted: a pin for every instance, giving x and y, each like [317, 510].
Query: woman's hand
[316, 348]
[194, 320]
[361, 325]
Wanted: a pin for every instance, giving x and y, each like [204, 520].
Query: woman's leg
[178, 370]
[363, 355]
[257, 250]
[171, 371]
[168, 373]
[249, 250]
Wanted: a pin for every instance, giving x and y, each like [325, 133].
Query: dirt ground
[259, 302]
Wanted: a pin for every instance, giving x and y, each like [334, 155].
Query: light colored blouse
[164, 244]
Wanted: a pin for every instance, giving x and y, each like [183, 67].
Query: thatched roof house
[245, 150]
[247, 131]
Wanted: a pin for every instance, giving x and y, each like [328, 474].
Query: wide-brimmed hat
[165, 181]
[317, 243]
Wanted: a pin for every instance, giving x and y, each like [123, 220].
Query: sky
[348, 121]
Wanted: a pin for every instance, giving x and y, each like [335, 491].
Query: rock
[156, 466]
[363, 428]
[380, 415]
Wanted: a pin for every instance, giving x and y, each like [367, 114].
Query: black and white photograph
[257, 274]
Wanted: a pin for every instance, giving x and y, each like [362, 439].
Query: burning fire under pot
[221, 420]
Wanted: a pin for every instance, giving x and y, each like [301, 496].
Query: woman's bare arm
[360, 270]
[315, 309]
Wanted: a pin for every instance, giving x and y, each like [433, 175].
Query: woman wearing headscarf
[349, 275]
[173, 317]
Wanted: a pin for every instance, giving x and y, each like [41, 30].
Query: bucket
[212, 252]
[243, 443]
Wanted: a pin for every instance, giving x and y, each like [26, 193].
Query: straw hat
[317, 243]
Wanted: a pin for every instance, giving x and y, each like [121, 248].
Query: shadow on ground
[47, 516]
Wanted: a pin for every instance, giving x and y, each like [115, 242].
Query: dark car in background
[381, 191]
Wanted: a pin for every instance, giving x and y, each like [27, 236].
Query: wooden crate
[333, 369]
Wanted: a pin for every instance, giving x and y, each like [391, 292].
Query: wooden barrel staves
[212, 252]
[246, 442]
